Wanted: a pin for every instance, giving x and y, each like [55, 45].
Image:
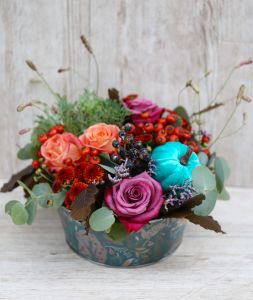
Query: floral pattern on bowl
[150, 244]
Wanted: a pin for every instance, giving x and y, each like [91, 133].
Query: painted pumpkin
[174, 162]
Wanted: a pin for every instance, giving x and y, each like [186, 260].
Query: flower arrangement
[117, 164]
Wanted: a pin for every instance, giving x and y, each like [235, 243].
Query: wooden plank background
[144, 46]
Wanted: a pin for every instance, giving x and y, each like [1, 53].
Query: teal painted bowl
[150, 244]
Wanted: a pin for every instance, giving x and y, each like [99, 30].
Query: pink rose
[143, 110]
[135, 200]
[100, 136]
[60, 147]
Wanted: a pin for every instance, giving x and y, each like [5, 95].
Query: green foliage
[222, 172]
[181, 111]
[19, 214]
[102, 219]
[27, 152]
[41, 194]
[203, 181]
[118, 232]
[203, 158]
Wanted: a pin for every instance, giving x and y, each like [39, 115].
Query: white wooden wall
[144, 46]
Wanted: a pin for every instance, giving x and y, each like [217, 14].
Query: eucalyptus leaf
[203, 158]
[19, 214]
[108, 168]
[27, 152]
[118, 232]
[58, 198]
[8, 206]
[101, 219]
[43, 193]
[222, 172]
[31, 208]
[180, 110]
[224, 195]
[205, 208]
[203, 179]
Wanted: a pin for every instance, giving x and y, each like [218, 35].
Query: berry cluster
[133, 152]
[170, 127]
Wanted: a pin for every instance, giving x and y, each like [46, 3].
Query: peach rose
[59, 147]
[100, 136]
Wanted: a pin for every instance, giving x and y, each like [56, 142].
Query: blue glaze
[169, 169]
[151, 243]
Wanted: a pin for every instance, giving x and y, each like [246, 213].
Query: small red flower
[79, 170]
[93, 173]
[56, 186]
[66, 174]
[144, 137]
[67, 201]
[76, 188]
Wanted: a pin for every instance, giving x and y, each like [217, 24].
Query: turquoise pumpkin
[174, 163]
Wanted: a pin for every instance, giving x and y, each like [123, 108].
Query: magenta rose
[135, 200]
[143, 110]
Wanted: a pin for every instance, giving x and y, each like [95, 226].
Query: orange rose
[100, 136]
[59, 147]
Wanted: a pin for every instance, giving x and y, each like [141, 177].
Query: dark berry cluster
[134, 153]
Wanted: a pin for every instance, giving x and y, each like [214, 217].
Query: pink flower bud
[246, 98]
[245, 62]
[21, 107]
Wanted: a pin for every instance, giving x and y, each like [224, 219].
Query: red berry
[59, 128]
[160, 139]
[162, 121]
[42, 138]
[161, 132]
[35, 164]
[68, 161]
[179, 131]
[169, 129]
[171, 119]
[95, 160]
[148, 127]
[94, 152]
[158, 127]
[205, 139]
[52, 132]
[173, 138]
[187, 135]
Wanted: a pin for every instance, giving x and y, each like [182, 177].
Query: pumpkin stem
[184, 159]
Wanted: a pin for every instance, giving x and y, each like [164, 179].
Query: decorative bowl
[150, 244]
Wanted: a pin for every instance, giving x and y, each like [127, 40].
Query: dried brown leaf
[84, 204]
[206, 222]
[24, 175]
[113, 94]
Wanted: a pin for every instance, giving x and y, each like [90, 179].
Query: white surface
[36, 263]
[151, 47]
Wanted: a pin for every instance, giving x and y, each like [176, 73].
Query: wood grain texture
[36, 263]
[144, 46]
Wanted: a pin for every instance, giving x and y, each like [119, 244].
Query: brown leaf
[24, 175]
[206, 222]
[185, 209]
[84, 204]
[113, 94]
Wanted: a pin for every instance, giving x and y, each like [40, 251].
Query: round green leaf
[222, 172]
[203, 158]
[43, 192]
[8, 206]
[31, 208]
[118, 232]
[58, 198]
[19, 214]
[203, 179]
[205, 208]
[102, 219]
[224, 195]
